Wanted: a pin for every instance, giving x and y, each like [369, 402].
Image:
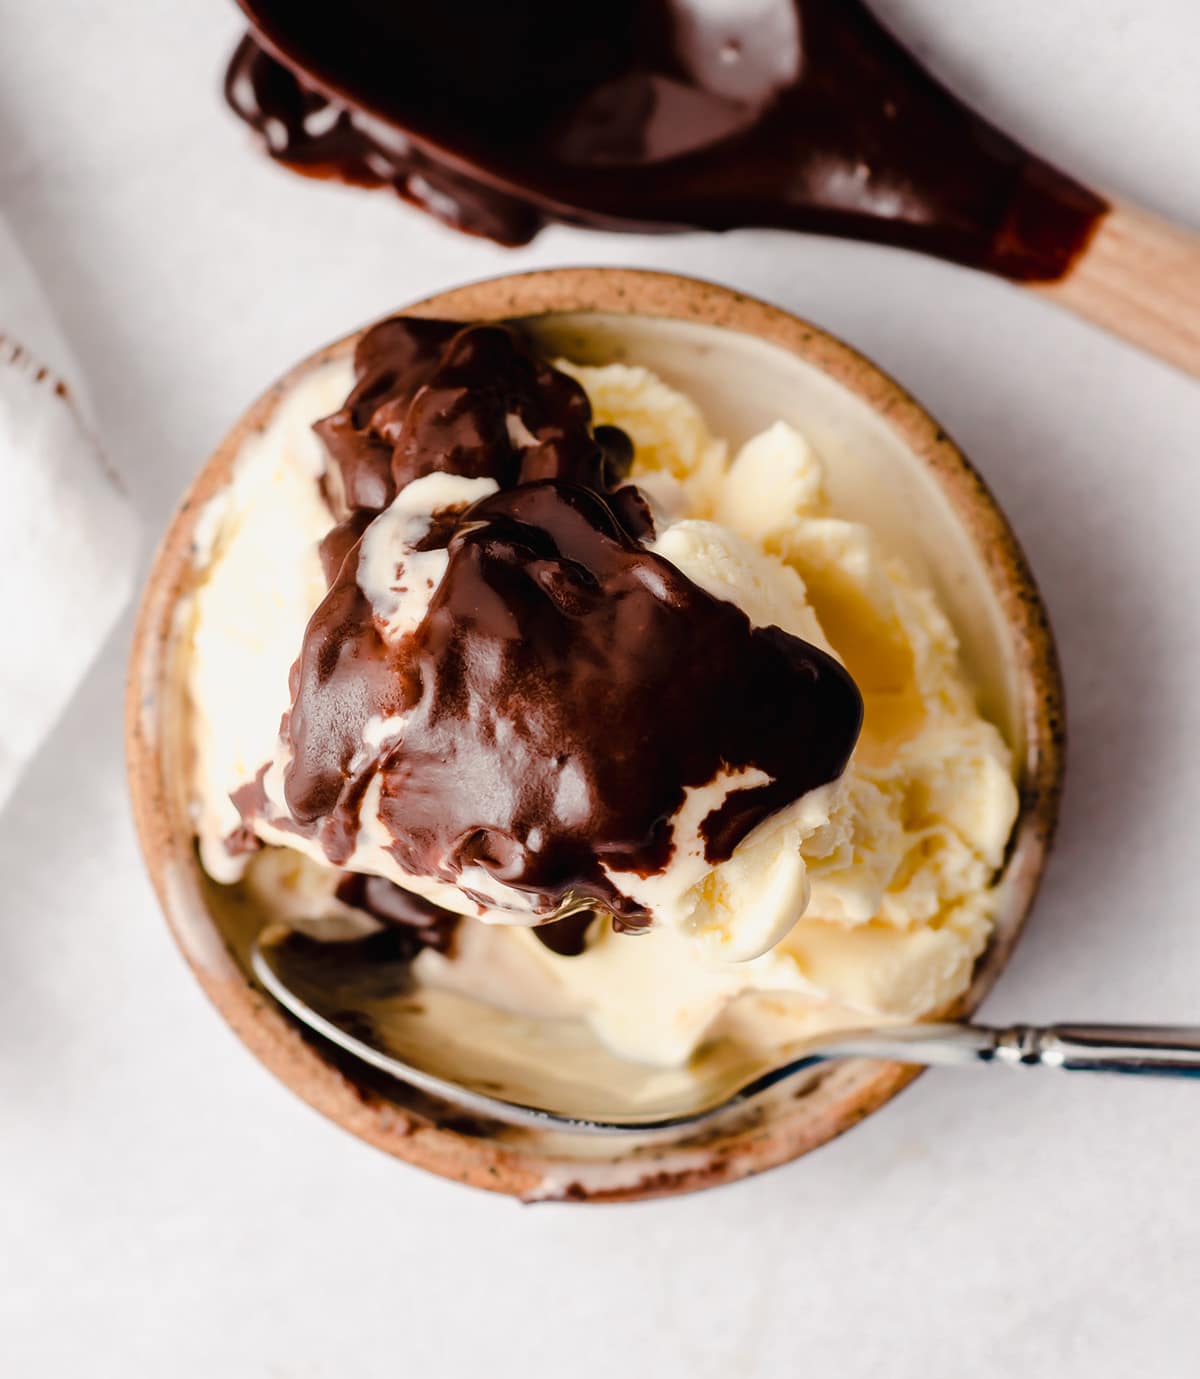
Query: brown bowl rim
[851, 1090]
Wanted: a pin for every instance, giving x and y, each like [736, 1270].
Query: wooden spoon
[800, 114]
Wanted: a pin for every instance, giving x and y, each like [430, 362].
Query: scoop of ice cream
[509, 689]
[899, 874]
[259, 577]
[866, 898]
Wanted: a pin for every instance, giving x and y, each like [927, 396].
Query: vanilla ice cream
[865, 897]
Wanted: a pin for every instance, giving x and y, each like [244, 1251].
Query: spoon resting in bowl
[364, 1006]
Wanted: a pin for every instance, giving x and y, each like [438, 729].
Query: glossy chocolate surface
[419, 923]
[566, 686]
[801, 114]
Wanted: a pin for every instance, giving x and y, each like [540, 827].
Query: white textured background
[166, 1208]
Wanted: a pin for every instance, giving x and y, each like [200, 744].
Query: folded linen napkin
[68, 537]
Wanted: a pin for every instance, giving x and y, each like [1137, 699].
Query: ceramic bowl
[890, 464]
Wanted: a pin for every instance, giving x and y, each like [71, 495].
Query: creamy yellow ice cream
[867, 899]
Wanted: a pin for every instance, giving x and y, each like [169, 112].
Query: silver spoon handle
[1159, 1050]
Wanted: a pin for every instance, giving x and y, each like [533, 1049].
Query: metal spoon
[343, 1003]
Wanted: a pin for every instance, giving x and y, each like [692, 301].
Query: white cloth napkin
[68, 537]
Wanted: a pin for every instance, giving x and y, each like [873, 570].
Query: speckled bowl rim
[849, 1091]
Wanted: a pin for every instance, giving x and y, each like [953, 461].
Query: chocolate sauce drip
[250, 801]
[437, 396]
[318, 138]
[386, 955]
[802, 114]
[339, 541]
[425, 924]
[566, 937]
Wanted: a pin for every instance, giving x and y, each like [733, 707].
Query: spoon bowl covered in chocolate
[662, 114]
[800, 114]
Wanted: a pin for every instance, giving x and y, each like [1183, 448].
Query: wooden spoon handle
[1139, 277]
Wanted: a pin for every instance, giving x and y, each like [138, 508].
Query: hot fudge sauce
[566, 687]
[800, 114]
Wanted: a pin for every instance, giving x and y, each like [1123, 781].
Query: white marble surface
[167, 1208]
